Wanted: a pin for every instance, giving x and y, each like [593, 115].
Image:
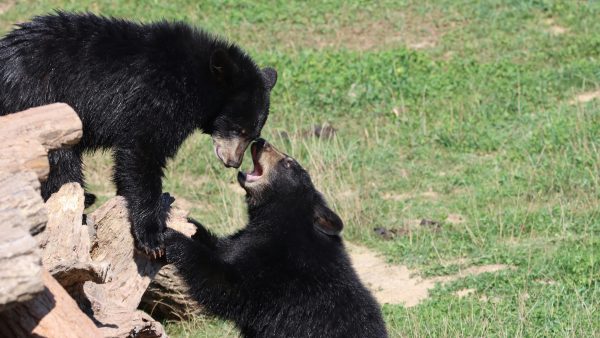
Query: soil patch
[586, 97]
[5, 6]
[397, 284]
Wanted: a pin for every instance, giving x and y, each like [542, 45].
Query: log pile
[58, 276]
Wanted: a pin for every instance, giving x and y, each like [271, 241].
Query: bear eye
[288, 162]
[243, 132]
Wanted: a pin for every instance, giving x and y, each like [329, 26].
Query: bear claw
[151, 246]
[153, 253]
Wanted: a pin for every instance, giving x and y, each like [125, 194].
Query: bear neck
[281, 214]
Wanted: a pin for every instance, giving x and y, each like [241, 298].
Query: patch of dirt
[391, 196]
[5, 6]
[391, 284]
[430, 194]
[396, 197]
[424, 44]
[455, 219]
[586, 97]
[554, 28]
[398, 111]
[368, 34]
[464, 292]
[347, 194]
[412, 224]
[486, 299]
[397, 284]
[364, 32]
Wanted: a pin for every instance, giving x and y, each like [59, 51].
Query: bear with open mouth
[286, 274]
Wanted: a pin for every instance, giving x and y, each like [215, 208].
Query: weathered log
[53, 126]
[104, 274]
[25, 138]
[52, 313]
[66, 241]
[21, 192]
[109, 294]
[20, 155]
[20, 263]
[167, 297]
[22, 213]
[114, 303]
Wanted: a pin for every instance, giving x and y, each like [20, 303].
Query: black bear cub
[286, 274]
[139, 89]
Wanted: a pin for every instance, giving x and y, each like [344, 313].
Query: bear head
[279, 185]
[245, 106]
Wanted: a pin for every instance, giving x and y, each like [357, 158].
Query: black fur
[286, 274]
[140, 89]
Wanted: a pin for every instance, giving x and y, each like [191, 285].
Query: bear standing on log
[140, 90]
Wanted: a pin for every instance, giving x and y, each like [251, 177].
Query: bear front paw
[175, 243]
[152, 243]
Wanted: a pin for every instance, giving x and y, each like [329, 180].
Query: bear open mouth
[257, 171]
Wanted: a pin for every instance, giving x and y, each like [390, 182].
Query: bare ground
[363, 33]
[397, 284]
[586, 97]
[6, 5]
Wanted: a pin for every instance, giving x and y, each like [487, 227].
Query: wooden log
[21, 192]
[97, 263]
[25, 139]
[22, 213]
[66, 241]
[20, 155]
[51, 313]
[114, 303]
[27, 136]
[20, 262]
[54, 126]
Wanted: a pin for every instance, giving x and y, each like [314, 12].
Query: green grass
[481, 115]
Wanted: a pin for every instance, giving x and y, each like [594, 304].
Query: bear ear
[222, 66]
[327, 221]
[270, 76]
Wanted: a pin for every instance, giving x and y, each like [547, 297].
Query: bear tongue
[257, 170]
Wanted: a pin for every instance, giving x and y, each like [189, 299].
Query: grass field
[482, 110]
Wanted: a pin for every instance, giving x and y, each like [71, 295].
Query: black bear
[286, 274]
[139, 89]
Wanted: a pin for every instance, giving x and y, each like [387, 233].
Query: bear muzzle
[230, 150]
